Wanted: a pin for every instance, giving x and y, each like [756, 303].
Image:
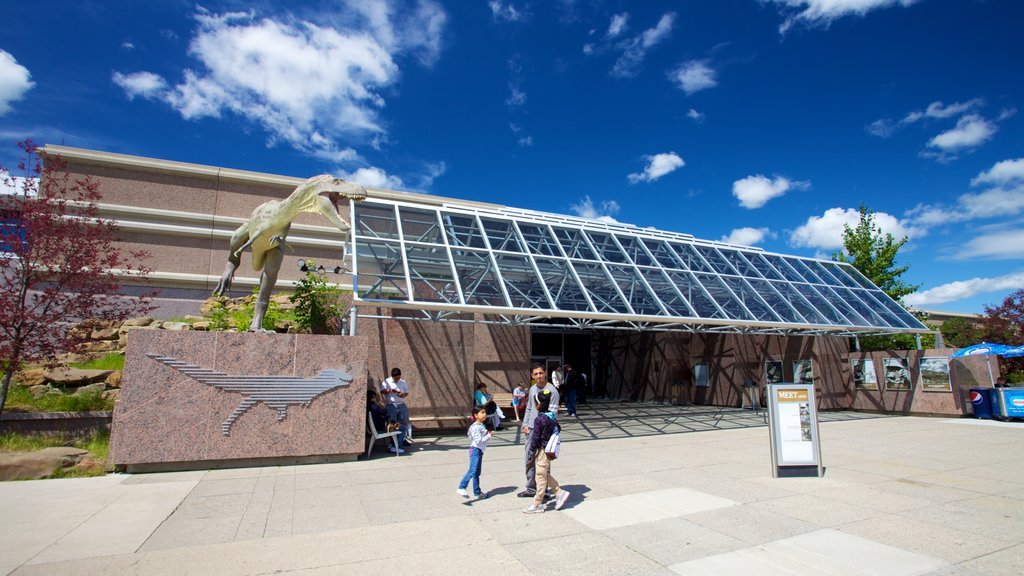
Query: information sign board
[793, 425]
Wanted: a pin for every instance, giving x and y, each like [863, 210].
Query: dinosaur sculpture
[277, 392]
[268, 227]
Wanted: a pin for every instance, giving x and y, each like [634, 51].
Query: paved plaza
[656, 490]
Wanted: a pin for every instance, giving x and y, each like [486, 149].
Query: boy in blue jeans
[478, 437]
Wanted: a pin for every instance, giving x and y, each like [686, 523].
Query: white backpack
[551, 448]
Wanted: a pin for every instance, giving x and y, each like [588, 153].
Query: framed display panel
[897, 373]
[773, 372]
[700, 374]
[803, 371]
[864, 376]
[793, 425]
[935, 374]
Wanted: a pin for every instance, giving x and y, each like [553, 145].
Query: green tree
[958, 332]
[873, 253]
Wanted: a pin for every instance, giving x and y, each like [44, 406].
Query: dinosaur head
[323, 194]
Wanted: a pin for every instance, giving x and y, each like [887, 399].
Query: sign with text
[793, 426]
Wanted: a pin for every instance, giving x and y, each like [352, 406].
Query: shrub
[318, 305]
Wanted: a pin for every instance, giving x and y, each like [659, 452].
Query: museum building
[456, 292]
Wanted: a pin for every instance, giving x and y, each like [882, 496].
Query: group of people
[540, 423]
[538, 410]
[570, 384]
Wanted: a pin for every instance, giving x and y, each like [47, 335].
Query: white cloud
[310, 84]
[1000, 245]
[15, 81]
[602, 213]
[747, 236]
[971, 131]
[1003, 172]
[373, 177]
[939, 110]
[755, 191]
[506, 11]
[658, 165]
[635, 48]
[821, 13]
[825, 232]
[883, 128]
[694, 76]
[965, 289]
[145, 84]
[516, 96]
[617, 25]
[695, 115]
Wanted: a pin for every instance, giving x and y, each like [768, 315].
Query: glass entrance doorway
[555, 348]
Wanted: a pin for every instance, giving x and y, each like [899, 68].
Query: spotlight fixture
[302, 265]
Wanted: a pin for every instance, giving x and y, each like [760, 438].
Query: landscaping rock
[114, 380]
[104, 334]
[76, 376]
[98, 346]
[143, 321]
[113, 394]
[202, 325]
[30, 378]
[176, 326]
[90, 389]
[39, 464]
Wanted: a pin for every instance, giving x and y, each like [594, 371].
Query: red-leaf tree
[58, 264]
[1004, 324]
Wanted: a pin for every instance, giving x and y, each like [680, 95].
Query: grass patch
[20, 399]
[112, 361]
[98, 443]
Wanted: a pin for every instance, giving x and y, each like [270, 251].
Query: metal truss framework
[530, 268]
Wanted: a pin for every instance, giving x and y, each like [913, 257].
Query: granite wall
[166, 416]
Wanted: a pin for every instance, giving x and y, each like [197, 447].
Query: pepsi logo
[1019, 402]
[976, 397]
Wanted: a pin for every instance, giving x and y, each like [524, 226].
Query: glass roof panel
[382, 261]
[462, 231]
[431, 274]
[420, 225]
[667, 292]
[694, 293]
[775, 301]
[840, 273]
[720, 292]
[662, 253]
[739, 262]
[821, 304]
[635, 250]
[906, 318]
[764, 267]
[574, 244]
[784, 268]
[869, 315]
[689, 257]
[376, 221]
[607, 247]
[562, 285]
[801, 304]
[639, 297]
[539, 239]
[715, 258]
[599, 286]
[480, 283]
[869, 299]
[801, 267]
[521, 282]
[750, 299]
[502, 235]
[841, 305]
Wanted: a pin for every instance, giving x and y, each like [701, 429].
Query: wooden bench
[503, 400]
[375, 435]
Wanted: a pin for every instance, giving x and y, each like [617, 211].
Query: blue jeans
[399, 413]
[476, 465]
[570, 401]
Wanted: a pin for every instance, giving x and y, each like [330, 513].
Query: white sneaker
[462, 492]
[563, 496]
[392, 449]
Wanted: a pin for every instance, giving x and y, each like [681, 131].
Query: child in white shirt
[478, 438]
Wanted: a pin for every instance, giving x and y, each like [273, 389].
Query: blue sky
[763, 122]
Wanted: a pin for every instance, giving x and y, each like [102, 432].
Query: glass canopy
[527, 267]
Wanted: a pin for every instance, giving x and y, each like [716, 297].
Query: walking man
[540, 376]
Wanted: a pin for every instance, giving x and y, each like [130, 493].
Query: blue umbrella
[987, 349]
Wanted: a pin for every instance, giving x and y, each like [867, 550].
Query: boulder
[143, 321]
[203, 325]
[30, 378]
[76, 376]
[98, 346]
[38, 464]
[114, 380]
[41, 390]
[113, 394]
[104, 334]
[90, 389]
[176, 326]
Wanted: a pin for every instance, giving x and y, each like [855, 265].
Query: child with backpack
[478, 438]
[544, 442]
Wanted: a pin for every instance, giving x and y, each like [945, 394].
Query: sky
[760, 122]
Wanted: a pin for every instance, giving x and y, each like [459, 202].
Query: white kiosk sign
[793, 425]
